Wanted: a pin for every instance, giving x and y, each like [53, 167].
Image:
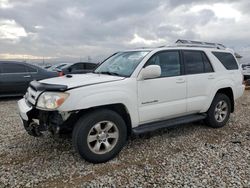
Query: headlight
[51, 100]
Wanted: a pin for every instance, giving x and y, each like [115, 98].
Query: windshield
[122, 63]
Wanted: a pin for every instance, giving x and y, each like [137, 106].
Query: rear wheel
[219, 111]
[100, 135]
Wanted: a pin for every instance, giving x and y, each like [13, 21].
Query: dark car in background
[75, 68]
[16, 76]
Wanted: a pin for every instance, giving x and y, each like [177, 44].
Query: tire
[219, 111]
[99, 136]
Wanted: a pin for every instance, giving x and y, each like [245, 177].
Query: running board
[150, 127]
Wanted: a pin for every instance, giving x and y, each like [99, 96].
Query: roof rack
[190, 43]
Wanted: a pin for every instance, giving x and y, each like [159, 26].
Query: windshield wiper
[109, 73]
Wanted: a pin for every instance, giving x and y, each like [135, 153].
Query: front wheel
[100, 135]
[219, 111]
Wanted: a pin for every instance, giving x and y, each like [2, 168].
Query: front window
[169, 61]
[122, 63]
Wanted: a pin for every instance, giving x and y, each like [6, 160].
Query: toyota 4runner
[134, 92]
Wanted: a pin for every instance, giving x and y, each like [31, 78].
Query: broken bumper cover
[23, 109]
[35, 121]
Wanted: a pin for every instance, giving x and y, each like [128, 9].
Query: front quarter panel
[117, 92]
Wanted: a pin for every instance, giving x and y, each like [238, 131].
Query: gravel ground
[187, 156]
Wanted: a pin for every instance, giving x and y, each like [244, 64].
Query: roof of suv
[181, 47]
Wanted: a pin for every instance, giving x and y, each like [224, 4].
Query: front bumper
[24, 109]
[36, 121]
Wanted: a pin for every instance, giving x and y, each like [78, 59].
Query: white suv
[134, 92]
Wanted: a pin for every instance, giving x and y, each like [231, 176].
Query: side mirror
[151, 71]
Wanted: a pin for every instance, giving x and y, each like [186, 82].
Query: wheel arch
[119, 108]
[228, 91]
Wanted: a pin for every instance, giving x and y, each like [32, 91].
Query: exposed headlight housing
[51, 100]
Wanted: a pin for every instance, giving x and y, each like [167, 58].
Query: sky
[64, 30]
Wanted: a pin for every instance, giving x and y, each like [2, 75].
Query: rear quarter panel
[224, 79]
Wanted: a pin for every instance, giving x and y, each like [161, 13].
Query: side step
[150, 127]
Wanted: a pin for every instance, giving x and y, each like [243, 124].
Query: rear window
[227, 59]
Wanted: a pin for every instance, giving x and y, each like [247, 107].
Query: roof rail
[190, 43]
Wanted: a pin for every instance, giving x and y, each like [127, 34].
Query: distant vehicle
[245, 68]
[57, 66]
[47, 66]
[16, 76]
[76, 68]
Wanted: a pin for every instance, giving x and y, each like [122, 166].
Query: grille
[32, 95]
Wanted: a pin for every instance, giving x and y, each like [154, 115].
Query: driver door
[164, 97]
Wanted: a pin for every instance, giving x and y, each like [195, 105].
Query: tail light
[60, 73]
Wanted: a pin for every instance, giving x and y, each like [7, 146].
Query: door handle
[27, 76]
[180, 80]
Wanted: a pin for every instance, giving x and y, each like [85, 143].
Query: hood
[78, 80]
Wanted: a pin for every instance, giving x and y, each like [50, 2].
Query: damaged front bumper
[36, 121]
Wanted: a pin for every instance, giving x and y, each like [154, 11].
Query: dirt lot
[187, 156]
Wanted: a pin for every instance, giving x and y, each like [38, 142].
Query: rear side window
[193, 62]
[227, 59]
[196, 62]
[13, 68]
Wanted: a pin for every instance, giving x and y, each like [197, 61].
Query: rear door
[34, 73]
[14, 78]
[200, 79]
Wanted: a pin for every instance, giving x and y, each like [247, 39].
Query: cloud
[62, 28]
[23, 56]
[220, 10]
[10, 30]
[4, 4]
[141, 41]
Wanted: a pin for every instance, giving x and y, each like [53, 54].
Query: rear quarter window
[227, 60]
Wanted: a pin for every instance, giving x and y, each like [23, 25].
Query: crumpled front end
[36, 120]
